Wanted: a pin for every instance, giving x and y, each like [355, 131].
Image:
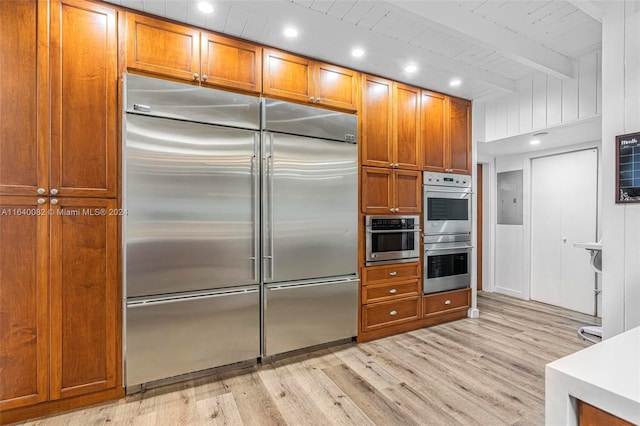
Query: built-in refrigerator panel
[300, 315]
[172, 336]
[162, 98]
[192, 201]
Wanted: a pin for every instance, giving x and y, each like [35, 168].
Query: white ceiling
[488, 44]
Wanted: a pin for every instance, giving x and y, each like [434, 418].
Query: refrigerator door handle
[167, 300]
[307, 285]
[268, 196]
[255, 175]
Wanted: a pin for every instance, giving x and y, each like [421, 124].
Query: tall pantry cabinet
[59, 290]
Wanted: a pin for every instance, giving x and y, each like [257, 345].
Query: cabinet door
[163, 48]
[83, 99]
[24, 314]
[377, 191]
[433, 115]
[230, 63]
[406, 127]
[85, 305]
[459, 136]
[24, 103]
[336, 86]
[408, 191]
[377, 149]
[286, 76]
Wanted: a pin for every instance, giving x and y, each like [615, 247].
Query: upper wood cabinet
[390, 124]
[84, 101]
[181, 52]
[446, 133]
[24, 97]
[296, 78]
[386, 191]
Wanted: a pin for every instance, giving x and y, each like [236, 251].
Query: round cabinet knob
[393, 313]
[447, 302]
[317, 100]
[312, 99]
[393, 291]
[54, 201]
[397, 165]
[195, 76]
[393, 273]
[54, 191]
[397, 209]
[41, 201]
[205, 77]
[392, 210]
[41, 191]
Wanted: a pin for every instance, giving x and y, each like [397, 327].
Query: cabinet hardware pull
[317, 100]
[392, 210]
[41, 201]
[447, 302]
[393, 291]
[41, 191]
[54, 201]
[393, 313]
[204, 77]
[397, 209]
[393, 273]
[195, 76]
[312, 99]
[54, 191]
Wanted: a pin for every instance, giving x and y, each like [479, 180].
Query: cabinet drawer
[444, 302]
[389, 291]
[397, 272]
[389, 313]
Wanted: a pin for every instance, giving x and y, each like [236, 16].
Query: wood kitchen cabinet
[446, 133]
[24, 97]
[181, 52]
[390, 124]
[300, 79]
[386, 191]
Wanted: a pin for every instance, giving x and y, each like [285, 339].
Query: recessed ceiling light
[455, 82]
[534, 141]
[291, 32]
[357, 53]
[411, 68]
[205, 7]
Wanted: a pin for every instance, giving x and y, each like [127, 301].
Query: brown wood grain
[406, 127]
[84, 99]
[377, 115]
[392, 312]
[387, 274]
[164, 48]
[336, 86]
[390, 291]
[230, 63]
[84, 297]
[24, 97]
[459, 139]
[433, 124]
[24, 313]
[588, 415]
[377, 191]
[408, 191]
[286, 76]
[434, 304]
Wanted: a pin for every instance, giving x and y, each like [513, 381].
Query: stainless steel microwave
[392, 239]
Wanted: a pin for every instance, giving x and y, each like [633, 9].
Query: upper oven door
[447, 211]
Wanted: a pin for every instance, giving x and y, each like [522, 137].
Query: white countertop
[605, 375]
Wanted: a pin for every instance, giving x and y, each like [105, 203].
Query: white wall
[543, 101]
[620, 114]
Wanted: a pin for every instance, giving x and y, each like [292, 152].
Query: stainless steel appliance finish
[310, 229]
[307, 314]
[184, 333]
[392, 239]
[447, 262]
[447, 203]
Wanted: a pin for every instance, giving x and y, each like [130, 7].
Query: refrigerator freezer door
[311, 208]
[170, 337]
[301, 315]
[161, 98]
[191, 198]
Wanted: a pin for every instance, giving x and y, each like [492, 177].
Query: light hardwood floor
[486, 371]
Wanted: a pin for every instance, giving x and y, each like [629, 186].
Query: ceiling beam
[589, 8]
[460, 22]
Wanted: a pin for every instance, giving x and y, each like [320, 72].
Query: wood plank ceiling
[489, 45]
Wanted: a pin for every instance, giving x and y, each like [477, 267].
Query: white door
[563, 211]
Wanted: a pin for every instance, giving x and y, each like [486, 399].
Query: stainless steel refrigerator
[309, 226]
[192, 196]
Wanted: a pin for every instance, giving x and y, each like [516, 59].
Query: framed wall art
[628, 168]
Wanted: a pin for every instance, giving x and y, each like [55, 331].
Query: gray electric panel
[510, 198]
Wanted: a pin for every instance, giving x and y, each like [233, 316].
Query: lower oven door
[398, 245]
[447, 266]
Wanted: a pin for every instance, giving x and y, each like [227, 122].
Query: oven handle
[427, 189]
[391, 231]
[449, 248]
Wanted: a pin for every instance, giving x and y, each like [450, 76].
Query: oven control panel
[446, 179]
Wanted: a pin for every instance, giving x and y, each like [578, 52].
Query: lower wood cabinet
[588, 415]
[391, 313]
[60, 310]
[440, 303]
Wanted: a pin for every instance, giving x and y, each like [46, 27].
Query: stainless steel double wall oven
[447, 232]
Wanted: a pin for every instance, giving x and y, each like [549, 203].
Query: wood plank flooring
[486, 371]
